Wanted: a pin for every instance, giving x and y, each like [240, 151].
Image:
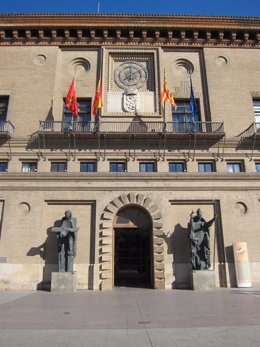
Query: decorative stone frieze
[87, 30]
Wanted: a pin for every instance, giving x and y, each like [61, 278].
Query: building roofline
[18, 15]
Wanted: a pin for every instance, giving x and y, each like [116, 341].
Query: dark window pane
[3, 166]
[183, 120]
[117, 167]
[58, 167]
[87, 167]
[84, 111]
[3, 108]
[205, 167]
[146, 167]
[176, 167]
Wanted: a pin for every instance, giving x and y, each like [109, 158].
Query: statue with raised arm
[66, 238]
[200, 240]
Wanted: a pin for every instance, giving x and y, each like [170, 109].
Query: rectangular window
[205, 167]
[3, 166]
[58, 166]
[176, 167]
[147, 167]
[82, 123]
[88, 167]
[183, 119]
[234, 167]
[257, 167]
[29, 166]
[3, 108]
[117, 167]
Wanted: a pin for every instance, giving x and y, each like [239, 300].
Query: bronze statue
[66, 237]
[200, 240]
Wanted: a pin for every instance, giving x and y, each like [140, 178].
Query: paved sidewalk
[131, 317]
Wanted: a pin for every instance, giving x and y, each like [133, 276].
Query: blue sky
[189, 7]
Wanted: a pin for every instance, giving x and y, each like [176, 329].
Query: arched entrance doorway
[133, 248]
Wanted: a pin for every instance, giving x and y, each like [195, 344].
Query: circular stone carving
[241, 208]
[24, 208]
[40, 59]
[221, 60]
[184, 65]
[79, 66]
[130, 74]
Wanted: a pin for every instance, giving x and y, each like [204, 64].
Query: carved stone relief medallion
[130, 74]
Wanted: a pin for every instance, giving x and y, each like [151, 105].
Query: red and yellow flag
[166, 95]
[71, 100]
[98, 99]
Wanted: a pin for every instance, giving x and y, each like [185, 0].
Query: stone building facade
[133, 175]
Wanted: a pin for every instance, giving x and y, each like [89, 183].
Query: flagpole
[164, 103]
[98, 116]
[72, 123]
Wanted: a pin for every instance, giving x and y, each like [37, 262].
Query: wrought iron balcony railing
[253, 129]
[134, 127]
[7, 128]
[195, 127]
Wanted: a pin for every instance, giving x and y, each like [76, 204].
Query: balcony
[252, 131]
[174, 129]
[250, 138]
[6, 129]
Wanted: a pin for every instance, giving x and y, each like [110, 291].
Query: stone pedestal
[63, 281]
[202, 279]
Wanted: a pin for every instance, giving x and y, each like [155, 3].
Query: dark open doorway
[132, 249]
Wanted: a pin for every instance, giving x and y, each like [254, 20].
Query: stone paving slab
[131, 317]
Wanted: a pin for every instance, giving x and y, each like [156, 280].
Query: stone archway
[106, 238]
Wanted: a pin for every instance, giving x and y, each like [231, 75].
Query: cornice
[133, 19]
[131, 176]
[129, 29]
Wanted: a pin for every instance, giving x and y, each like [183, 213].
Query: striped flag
[166, 95]
[97, 104]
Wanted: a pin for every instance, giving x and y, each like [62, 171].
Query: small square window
[88, 167]
[176, 167]
[3, 166]
[147, 167]
[117, 167]
[205, 167]
[58, 167]
[257, 167]
[234, 167]
[29, 166]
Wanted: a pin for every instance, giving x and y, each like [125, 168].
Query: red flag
[166, 95]
[98, 99]
[71, 100]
